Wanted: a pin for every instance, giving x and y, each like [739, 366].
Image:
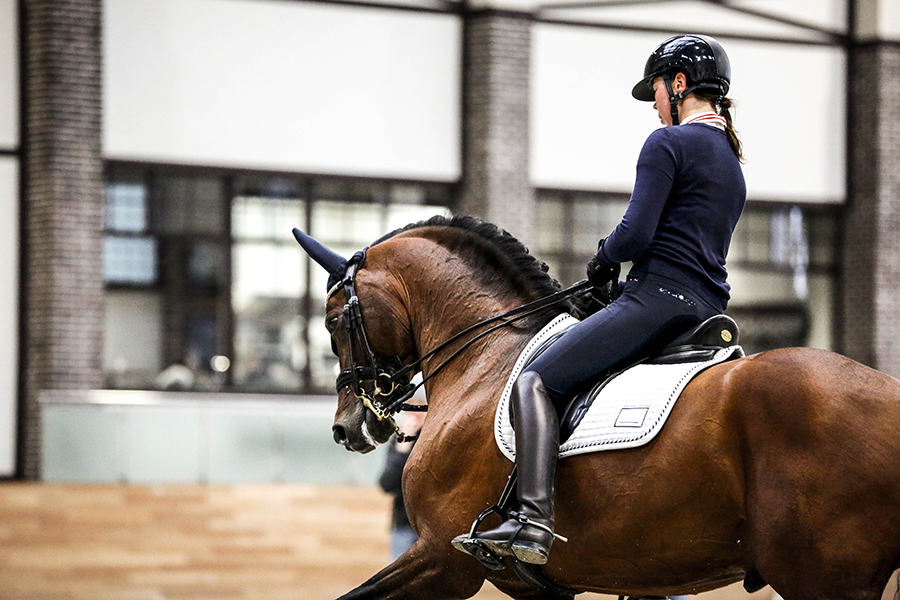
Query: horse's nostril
[340, 435]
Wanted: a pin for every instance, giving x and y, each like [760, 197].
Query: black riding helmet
[700, 57]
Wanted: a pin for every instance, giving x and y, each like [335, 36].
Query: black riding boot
[529, 532]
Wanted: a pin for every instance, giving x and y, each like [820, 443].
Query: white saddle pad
[629, 411]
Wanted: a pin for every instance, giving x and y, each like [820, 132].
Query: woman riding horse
[687, 198]
[782, 467]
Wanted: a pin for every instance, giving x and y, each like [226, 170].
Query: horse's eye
[331, 324]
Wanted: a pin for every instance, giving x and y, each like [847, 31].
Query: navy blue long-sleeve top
[688, 195]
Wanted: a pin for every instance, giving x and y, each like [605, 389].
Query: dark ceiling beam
[720, 35]
[826, 37]
[838, 36]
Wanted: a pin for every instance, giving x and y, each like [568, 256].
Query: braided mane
[499, 259]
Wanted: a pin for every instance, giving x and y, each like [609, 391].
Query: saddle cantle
[699, 344]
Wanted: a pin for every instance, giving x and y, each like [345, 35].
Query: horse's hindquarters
[823, 472]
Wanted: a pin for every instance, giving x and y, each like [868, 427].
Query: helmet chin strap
[673, 99]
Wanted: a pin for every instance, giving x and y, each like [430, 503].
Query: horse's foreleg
[424, 572]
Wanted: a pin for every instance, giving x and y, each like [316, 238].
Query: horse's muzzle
[340, 437]
[353, 439]
[358, 429]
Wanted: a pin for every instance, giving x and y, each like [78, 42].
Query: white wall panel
[889, 20]
[792, 117]
[9, 312]
[587, 131]
[283, 85]
[9, 76]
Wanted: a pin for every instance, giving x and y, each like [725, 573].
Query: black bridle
[387, 380]
[384, 387]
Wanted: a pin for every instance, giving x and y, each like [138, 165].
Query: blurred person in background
[402, 534]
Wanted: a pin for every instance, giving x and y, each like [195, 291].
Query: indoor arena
[169, 421]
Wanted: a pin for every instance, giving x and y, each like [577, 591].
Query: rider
[688, 195]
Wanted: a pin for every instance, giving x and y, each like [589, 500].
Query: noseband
[388, 383]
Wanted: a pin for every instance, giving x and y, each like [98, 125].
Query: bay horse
[784, 464]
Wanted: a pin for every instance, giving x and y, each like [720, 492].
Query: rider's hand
[598, 273]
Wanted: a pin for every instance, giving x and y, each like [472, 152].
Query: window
[278, 294]
[129, 254]
[206, 288]
[268, 288]
[771, 236]
[570, 224]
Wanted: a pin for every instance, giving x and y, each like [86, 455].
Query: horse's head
[417, 288]
[371, 338]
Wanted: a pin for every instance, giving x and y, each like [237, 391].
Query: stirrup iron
[478, 550]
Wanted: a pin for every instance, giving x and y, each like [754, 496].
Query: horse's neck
[445, 311]
[442, 300]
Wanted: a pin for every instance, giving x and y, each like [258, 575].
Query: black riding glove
[598, 273]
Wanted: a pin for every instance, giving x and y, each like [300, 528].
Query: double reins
[517, 314]
[392, 386]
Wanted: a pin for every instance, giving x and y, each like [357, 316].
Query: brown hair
[723, 106]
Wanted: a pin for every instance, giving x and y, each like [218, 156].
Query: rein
[391, 379]
[518, 313]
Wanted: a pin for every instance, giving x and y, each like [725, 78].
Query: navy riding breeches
[651, 312]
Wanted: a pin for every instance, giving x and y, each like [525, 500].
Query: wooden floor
[64, 542]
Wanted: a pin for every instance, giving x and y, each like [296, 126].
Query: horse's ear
[328, 259]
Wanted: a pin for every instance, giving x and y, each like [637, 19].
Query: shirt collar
[706, 118]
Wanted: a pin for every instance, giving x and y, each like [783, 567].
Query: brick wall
[63, 212]
[496, 181]
[870, 297]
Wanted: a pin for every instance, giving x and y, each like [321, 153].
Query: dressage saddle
[699, 344]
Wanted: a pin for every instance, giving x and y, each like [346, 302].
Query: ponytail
[724, 109]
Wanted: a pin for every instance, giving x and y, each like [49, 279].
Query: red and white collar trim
[706, 118]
